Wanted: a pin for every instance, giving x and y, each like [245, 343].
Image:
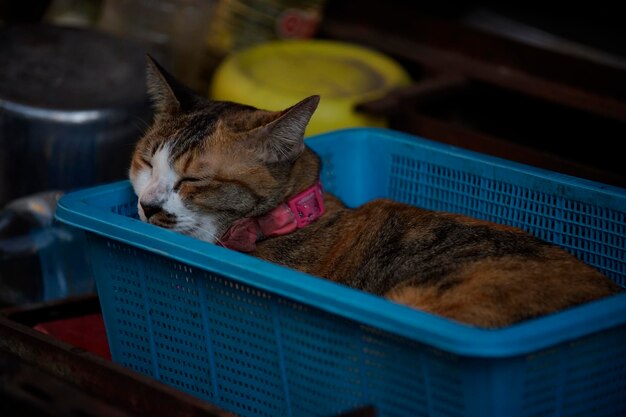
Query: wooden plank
[462, 137]
[31, 314]
[39, 393]
[507, 77]
[103, 379]
[440, 26]
[438, 87]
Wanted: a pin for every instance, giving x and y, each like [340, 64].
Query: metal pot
[72, 106]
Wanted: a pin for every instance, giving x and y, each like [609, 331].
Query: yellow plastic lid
[276, 75]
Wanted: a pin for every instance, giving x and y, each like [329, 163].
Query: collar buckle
[308, 205]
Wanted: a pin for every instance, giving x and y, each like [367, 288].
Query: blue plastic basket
[262, 340]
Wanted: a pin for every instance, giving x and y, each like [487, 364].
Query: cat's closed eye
[146, 162]
[186, 180]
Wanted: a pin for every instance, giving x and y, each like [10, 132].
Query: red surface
[86, 332]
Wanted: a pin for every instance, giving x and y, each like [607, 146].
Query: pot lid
[64, 68]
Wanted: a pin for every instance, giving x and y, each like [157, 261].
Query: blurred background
[545, 87]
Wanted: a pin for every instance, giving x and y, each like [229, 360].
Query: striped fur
[205, 164]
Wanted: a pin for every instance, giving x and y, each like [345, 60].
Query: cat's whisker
[187, 226]
[142, 126]
[211, 234]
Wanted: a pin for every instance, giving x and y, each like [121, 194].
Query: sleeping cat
[241, 177]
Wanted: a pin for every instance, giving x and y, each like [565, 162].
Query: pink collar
[298, 212]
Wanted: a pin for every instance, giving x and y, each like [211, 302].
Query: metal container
[72, 105]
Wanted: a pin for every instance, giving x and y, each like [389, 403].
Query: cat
[222, 172]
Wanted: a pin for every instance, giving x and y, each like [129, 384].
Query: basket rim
[369, 310]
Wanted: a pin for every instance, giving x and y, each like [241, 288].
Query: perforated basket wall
[262, 340]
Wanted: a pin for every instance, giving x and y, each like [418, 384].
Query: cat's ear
[282, 139]
[169, 96]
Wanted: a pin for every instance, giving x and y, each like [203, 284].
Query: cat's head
[204, 164]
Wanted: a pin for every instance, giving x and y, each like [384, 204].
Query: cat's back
[467, 269]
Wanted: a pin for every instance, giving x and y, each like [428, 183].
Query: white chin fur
[206, 232]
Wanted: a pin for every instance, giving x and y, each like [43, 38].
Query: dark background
[542, 85]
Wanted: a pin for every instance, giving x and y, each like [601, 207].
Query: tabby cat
[224, 173]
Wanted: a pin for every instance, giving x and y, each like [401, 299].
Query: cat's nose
[149, 210]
